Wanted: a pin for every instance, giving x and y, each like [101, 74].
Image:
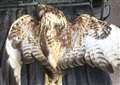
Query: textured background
[115, 12]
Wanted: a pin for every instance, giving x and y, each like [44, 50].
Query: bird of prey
[96, 43]
[59, 44]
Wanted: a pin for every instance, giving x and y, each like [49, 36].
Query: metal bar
[72, 4]
[18, 5]
[36, 3]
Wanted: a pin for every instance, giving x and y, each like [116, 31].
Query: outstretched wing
[24, 36]
[99, 45]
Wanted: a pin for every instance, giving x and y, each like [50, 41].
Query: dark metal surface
[86, 75]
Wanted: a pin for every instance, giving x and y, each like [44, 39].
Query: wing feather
[100, 41]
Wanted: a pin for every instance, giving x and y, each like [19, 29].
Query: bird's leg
[56, 80]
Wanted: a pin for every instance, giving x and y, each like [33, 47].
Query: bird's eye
[57, 25]
[31, 20]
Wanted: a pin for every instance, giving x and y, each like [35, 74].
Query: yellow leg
[56, 81]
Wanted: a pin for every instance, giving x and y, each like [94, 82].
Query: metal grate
[60, 1]
[93, 5]
[21, 3]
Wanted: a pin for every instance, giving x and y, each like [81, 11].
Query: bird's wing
[105, 50]
[18, 34]
[24, 35]
[100, 46]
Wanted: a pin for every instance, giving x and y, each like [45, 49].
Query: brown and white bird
[58, 44]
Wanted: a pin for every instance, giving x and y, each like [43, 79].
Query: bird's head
[51, 18]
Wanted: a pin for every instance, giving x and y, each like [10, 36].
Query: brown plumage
[53, 22]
